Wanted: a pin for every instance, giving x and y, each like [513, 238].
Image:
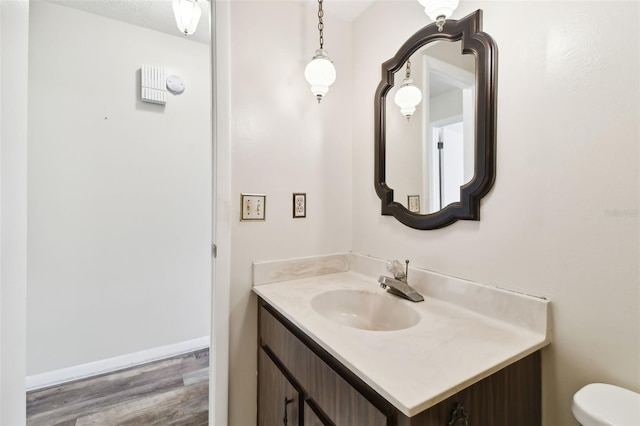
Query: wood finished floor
[173, 391]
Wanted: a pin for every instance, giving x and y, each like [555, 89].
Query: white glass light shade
[437, 8]
[187, 14]
[320, 73]
[408, 97]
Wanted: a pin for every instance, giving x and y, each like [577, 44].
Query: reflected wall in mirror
[433, 167]
[430, 154]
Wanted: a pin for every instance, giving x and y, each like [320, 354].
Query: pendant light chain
[320, 72]
[408, 75]
[320, 23]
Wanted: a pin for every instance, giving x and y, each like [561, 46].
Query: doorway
[448, 168]
[120, 196]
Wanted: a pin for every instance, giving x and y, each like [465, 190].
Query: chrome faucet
[398, 285]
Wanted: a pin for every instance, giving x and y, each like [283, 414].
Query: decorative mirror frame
[481, 45]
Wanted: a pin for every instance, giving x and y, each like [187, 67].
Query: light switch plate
[252, 207]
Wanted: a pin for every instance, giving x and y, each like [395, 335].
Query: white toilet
[599, 404]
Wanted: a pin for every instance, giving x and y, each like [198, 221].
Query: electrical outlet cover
[299, 204]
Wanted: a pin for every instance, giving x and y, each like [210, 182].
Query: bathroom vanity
[436, 363]
[298, 377]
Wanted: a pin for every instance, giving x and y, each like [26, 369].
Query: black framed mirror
[441, 159]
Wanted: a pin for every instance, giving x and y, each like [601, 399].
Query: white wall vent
[153, 84]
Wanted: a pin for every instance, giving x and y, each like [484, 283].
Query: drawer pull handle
[287, 401]
[458, 416]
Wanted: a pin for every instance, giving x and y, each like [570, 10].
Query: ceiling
[153, 14]
[347, 10]
[158, 14]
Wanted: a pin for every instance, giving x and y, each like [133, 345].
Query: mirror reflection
[430, 152]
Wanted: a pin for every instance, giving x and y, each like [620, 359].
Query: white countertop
[449, 349]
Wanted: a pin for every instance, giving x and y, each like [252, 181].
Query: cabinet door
[278, 400]
[341, 402]
[313, 416]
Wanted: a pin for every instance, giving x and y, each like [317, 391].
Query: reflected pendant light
[439, 10]
[187, 14]
[408, 96]
[320, 72]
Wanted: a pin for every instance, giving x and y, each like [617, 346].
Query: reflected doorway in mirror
[447, 169]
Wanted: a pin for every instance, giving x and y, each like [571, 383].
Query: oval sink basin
[365, 310]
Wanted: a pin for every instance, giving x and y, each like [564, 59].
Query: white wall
[283, 142]
[119, 191]
[562, 218]
[14, 28]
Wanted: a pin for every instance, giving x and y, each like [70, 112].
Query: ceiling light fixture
[439, 10]
[408, 96]
[320, 72]
[187, 14]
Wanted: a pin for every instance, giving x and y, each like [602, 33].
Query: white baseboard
[55, 377]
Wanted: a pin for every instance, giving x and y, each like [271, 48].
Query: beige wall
[282, 142]
[119, 191]
[567, 164]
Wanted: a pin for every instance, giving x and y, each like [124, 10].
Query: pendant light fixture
[187, 14]
[439, 10]
[320, 72]
[408, 96]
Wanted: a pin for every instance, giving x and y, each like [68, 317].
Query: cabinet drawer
[336, 397]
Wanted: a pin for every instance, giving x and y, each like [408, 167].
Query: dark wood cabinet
[292, 365]
[312, 417]
[279, 401]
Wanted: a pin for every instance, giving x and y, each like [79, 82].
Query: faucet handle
[395, 268]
